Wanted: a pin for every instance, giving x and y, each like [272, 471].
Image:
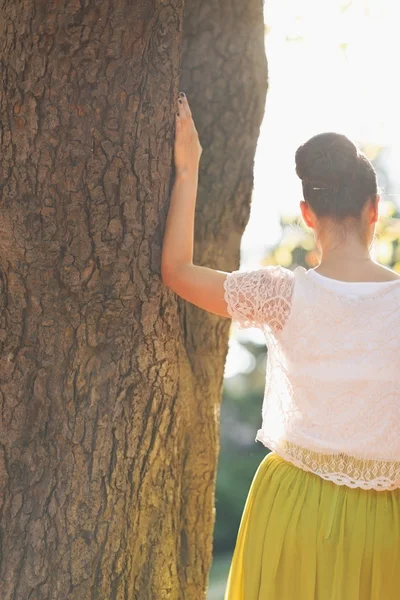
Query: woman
[322, 517]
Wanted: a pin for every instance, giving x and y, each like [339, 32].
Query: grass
[218, 576]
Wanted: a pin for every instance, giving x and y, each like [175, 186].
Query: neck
[349, 252]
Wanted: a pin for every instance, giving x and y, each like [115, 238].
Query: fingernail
[182, 94]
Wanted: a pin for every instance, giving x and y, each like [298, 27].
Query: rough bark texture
[110, 385]
[224, 73]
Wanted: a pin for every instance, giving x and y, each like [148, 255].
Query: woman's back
[332, 394]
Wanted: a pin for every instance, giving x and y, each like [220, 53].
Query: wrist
[187, 173]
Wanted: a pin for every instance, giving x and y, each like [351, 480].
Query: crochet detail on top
[259, 298]
[332, 393]
[340, 468]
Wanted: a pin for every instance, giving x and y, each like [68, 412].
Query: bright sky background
[332, 67]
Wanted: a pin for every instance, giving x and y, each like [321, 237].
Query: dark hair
[337, 178]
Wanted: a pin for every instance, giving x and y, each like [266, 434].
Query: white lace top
[332, 395]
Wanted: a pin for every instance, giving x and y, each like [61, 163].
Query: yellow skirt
[304, 538]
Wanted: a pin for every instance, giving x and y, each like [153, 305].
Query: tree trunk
[224, 74]
[109, 384]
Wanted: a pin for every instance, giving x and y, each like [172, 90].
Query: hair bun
[327, 160]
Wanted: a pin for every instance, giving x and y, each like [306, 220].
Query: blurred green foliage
[236, 470]
[297, 245]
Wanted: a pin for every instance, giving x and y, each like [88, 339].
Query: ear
[305, 212]
[374, 208]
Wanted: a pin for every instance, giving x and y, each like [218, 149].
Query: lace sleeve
[260, 297]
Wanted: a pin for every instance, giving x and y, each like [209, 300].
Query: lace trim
[259, 297]
[342, 469]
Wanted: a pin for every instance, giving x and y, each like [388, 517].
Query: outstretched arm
[201, 286]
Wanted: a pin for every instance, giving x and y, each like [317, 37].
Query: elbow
[167, 275]
[168, 268]
[173, 275]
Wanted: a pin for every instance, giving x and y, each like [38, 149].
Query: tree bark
[109, 384]
[224, 73]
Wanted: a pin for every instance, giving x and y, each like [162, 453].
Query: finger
[178, 120]
[186, 105]
[182, 109]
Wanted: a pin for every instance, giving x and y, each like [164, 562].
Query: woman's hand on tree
[187, 149]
